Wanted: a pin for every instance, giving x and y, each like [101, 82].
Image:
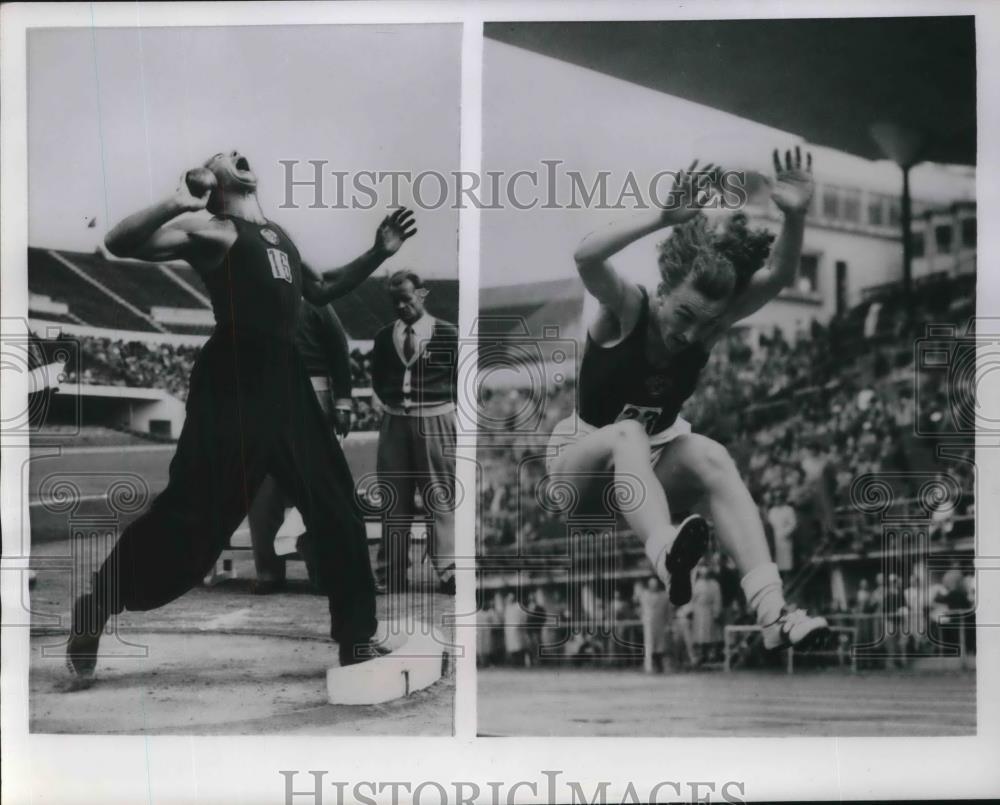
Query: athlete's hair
[717, 263]
[746, 248]
[397, 278]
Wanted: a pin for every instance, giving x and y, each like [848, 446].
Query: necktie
[408, 348]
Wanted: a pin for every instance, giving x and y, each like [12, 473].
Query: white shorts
[572, 429]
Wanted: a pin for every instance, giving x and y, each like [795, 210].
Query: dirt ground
[219, 660]
[712, 703]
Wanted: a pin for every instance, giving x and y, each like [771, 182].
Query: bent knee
[710, 462]
[630, 431]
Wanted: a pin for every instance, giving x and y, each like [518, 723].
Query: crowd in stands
[138, 364]
[114, 362]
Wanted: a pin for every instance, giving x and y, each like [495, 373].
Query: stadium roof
[533, 295]
[827, 80]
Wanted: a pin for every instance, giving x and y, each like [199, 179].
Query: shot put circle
[183, 681]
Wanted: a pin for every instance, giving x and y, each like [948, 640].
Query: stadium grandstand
[136, 329]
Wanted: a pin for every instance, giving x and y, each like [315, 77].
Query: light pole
[903, 146]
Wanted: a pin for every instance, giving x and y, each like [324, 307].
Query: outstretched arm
[618, 297]
[339, 361]
[320, 287]
[792, 192]
[152, 234]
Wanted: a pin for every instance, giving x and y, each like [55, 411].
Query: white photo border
[168, 769]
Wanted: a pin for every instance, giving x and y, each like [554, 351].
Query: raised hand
[793, 187]
[396, 228]
[692, 191]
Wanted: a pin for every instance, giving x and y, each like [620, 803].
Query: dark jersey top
[618, 382]
[322, 344]
[257, 289]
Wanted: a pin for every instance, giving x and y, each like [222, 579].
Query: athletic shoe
[267, 586]
[81, 650]
[353, 653]
[796, 629]
[689, 546]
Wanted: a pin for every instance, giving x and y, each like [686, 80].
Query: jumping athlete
[251, 411]
[642, 360]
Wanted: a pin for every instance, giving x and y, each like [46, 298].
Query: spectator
[781, 516]
[863, 597]
[486, 622]
[706, 614]
[654, 611]
[498, 643]
[916, 607]
[515, 639]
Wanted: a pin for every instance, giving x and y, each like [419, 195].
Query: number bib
[646, 415]
[281, 269]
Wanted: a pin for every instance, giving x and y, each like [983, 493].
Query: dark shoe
[84, 637]
[385, 585]
[354, 653]
[689, 546]
[266, 585]
[448, 587]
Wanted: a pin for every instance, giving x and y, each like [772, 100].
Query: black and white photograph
[729, 480]
[499, 402]
[242, 469]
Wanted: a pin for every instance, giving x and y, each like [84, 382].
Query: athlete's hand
[395, 229]
[343, 419]
[793, 187]
[692, 191]
[188, 201]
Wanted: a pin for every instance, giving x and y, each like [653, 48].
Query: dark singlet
[256, 291]
[618, 383]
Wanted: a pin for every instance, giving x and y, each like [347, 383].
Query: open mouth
[242, 164]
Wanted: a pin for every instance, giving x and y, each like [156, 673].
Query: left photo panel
[242, 333]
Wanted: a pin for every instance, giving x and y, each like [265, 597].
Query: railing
[625, 641]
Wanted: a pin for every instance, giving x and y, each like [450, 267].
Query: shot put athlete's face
[685, 316]
[233, 173]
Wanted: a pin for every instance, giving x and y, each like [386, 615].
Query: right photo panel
[726, 385]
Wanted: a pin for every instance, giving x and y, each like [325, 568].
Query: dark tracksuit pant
[251, 411]
[267, 513]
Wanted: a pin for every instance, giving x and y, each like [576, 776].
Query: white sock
[762, 587]
[657, 547]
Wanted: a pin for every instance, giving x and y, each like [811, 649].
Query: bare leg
[621, 449]
[698, 473]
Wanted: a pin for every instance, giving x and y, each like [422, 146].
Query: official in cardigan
[414, 366]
